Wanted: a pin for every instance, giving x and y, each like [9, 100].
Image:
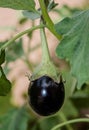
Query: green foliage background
[73, 48]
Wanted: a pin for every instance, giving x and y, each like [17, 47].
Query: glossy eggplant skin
[46, 96]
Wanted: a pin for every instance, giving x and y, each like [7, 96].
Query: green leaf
[18, 4]
[2, 57]
[16, 119]
[74, 46]
[14, 51]
[5, 84]
[32, 15]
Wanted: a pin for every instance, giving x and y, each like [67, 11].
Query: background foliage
[73, 48]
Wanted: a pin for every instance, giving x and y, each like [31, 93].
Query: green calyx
[46, 67]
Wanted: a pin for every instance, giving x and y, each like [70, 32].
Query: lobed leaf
[74, 46]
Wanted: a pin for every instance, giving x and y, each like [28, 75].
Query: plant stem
[45, 50]
[63, 118]
[49, 23]
[70, 122]
[19, 35]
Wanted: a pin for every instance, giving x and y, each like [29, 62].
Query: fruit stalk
[45, 50]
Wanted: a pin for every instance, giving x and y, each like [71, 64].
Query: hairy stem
[19, 35]
[49, 23]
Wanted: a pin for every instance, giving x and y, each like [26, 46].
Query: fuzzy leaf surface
[18, 4]
[74, 46]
